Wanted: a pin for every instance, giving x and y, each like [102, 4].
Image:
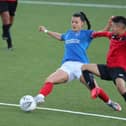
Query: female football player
[115, 67]
[7, 13]
[76, 42]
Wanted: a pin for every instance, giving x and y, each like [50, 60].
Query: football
[27, 103]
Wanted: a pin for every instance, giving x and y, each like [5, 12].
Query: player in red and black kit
[115, 67]
[7, 13]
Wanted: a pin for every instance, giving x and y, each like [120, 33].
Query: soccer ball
[27, 103]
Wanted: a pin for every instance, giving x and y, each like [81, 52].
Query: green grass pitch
[36, 55]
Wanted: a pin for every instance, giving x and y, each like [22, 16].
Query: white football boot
[39, 98]
[115, 106]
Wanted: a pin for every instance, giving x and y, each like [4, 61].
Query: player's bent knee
[83, 67]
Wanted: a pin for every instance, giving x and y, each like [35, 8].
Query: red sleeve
[101, 34]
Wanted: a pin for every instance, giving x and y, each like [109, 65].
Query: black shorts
[111, 73]
[8, 6]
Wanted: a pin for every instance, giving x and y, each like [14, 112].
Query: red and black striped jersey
[116, 56]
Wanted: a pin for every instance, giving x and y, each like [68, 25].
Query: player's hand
[110, 20]
[42, 28]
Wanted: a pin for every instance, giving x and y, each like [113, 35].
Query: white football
[27, 103]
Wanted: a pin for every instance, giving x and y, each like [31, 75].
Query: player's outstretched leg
[98, 92]
[44, 91]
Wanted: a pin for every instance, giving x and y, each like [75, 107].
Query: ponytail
[83, 18]
[86, 19]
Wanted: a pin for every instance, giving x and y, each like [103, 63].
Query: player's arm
[101, 34]
[51, 33]
[105, 32]
[109, 24]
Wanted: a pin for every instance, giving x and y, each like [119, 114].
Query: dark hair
[83, 18]
[119, 19]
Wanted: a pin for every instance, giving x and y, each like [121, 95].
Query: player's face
[117, 28]
[76, 23]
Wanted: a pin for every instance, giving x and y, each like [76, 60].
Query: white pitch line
[73, 4]
[70, 112]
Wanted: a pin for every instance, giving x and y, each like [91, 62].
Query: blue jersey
[75, 45]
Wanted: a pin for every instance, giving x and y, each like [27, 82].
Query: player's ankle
[109, 102]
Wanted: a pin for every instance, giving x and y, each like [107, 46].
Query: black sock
[9, 42]
[6, 35]
[124, 96]
[89, 78]
[5, 29]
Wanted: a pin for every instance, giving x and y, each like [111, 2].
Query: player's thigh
[5, 17]
[4, 13]
[58, 77]
[93, 68]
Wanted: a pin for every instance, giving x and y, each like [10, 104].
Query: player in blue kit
[76, 42]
